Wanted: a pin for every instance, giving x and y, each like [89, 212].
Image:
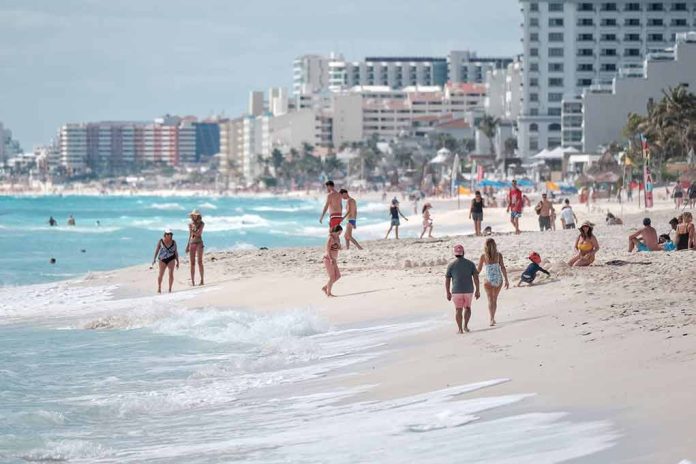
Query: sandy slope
[615, 341]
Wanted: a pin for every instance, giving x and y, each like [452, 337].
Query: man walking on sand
[352, 216]
[515, 205]
[545, 210]
[333, 205]
[462, 285]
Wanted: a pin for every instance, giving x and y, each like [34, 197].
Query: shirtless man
[645, 239]
[545, 211]
[352, 216]
[333, 205]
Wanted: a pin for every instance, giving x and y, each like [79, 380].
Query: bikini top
[585, 246]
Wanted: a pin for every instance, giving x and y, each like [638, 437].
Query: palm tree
[488, 126]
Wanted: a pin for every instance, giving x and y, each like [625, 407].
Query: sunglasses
[169, 234]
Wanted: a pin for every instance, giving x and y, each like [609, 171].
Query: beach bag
[537, 208]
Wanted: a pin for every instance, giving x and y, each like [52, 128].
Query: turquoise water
[131, 225]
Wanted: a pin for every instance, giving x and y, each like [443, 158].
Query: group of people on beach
[682, 236]
[167, 253]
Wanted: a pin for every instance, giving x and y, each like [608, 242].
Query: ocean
[87, 377]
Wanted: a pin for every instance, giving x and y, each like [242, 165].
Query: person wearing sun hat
[167, 255]
[195, 245]
[462, 286]
[587, 246]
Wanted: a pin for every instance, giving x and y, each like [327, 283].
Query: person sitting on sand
[71, 220]
[395, 212]
[333, 205]
[568, 217]
[461, 284]
[666, 243]
[587, 246]
[487, 231]
[167, 255]
[427, 221]
[333, 245]
[686, 236]
[612, 220]
[491, 262]
[194, 246]
[352, 216]
[476, 212]
[532, 270]
[673, 223]
[52, 222]
[645, 239]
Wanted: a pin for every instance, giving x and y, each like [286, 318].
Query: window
[554, 112]
[585, 7]
[608, 52]
[555, 97]
[656, 38]
[555, 67]
[533, 127]
[555, 22]
[609, 22]
[585, 22]
[585, 52]
[533, 52]
[533, 7]
[632, 52]
[608, 67]
[679, 22]
[554, 127]
[632, 38]
[632, 7]
[608, 38]
[534, 67]
[652, 22]
[584, 82]
[608, 7]
[533, 37]
[534, 22]
[534, 144]
[555, 37]
[632, 22]
[678, 6]
[555, 82]
[555, 52]
[533, 111]
[556, 6]
[533, 97]
[533, 82]
[655, 7]
[585, 38]
[585, 67]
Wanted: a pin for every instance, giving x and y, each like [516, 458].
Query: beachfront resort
[481, 254]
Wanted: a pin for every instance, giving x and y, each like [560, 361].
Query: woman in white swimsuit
[492, 263]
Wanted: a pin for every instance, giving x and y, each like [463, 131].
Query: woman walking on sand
[194, 247]
[494, 275]
[395, 212]
[427, 221]
[476, 212]
[587, 246]
[167, 255]
[333, 245]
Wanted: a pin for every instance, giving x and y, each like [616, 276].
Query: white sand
[620, 340]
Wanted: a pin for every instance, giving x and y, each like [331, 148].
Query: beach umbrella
[552, 186]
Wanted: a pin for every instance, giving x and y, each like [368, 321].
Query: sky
[91, 60]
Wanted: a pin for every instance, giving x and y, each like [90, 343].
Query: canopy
[555, 154]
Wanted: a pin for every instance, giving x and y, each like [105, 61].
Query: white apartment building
[310, 74]
[466, 66]
[604, 111]
[571, 45]
[504, 91]
[392, 72]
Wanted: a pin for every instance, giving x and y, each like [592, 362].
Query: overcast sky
[87, 60]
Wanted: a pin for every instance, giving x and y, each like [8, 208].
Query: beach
[609, 348]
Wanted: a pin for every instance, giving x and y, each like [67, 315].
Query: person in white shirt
[568, 218]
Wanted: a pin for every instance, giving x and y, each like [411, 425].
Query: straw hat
[588, 224]
[195, 212]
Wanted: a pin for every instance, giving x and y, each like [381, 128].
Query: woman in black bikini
[167, 255]
[685, 233]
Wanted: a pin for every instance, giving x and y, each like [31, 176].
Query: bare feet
[201, 282]
[492, 322]
[460, 331]
[323, 289]
[466, 329]
[159, 290]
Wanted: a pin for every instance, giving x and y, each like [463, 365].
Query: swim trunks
[353, 222]
[642, 247]
[515, 214]
[335, 220]
[462, 300]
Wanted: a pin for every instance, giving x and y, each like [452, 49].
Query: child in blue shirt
[530, 273]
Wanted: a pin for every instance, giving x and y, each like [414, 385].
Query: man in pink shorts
[462, 285]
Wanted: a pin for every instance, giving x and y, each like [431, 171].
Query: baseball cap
[458, 250]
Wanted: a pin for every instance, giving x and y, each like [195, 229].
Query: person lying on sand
[461, 284]
[645, 239]
[613, 220]
[534, 267]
